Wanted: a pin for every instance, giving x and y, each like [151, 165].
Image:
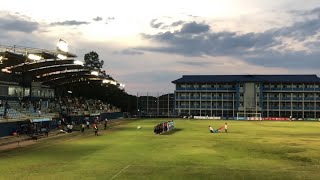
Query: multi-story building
[297, 96]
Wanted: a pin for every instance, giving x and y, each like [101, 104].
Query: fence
[155, 104]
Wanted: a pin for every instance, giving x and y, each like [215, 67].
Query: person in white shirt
[210, 129]
[226, 127]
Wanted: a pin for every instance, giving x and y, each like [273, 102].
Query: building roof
[308, 78]
[17, 66]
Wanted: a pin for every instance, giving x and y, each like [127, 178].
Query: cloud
[269, 48]
[153, 24]
[177, 23]
[195, 40]
[195, 63]
[109, 19]
[70, 23]
[129, 52]
[195, 28]
[16, 22]
[98, 18]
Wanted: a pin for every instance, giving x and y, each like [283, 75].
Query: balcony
[205, 107]
[195, 107]
[297, 98]
[309, 98]
[308, 89]
[297, 89]
[275, 89]
[227, 98]
[195, 97]
[182, 98]
[206, 97]
[273, 98]
[285, 107]
[286, 98]
[182, 106]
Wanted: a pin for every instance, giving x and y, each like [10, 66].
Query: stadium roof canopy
[312, 78]
[50, 67]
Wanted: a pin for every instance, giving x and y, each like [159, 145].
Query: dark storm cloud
[15, 22]
[195, 28]
[289, 59]
[69, 23]
[264, 48]
[129, 52]
[98, 18]
[195, 40]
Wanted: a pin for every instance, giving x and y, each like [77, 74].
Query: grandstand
[31, 77]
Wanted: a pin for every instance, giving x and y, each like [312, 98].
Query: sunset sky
[147, 44]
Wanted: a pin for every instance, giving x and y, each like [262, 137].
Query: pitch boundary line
[120, 172]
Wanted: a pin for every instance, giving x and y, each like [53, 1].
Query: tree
[92, 60]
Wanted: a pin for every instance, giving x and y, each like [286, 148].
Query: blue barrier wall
[7, 128]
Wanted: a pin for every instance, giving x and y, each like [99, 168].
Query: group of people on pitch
[163, 127]
[225, 127]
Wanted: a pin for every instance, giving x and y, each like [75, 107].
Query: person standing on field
[88, 124]
[105, 123]
[226, 127]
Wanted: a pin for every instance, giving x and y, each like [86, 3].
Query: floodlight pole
[137, 103]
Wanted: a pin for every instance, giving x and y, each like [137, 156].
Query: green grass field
[252, 150]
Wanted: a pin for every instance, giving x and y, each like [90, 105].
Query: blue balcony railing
[194, 106]
[309, 98]
[179, 88]
[286, 98]
[182, 106]
[309, 89]
[297, 98]
[273, 98]
[195, 97]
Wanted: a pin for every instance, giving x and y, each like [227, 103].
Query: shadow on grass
[172, 131]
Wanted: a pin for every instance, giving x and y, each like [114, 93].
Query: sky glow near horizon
[148, 44]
